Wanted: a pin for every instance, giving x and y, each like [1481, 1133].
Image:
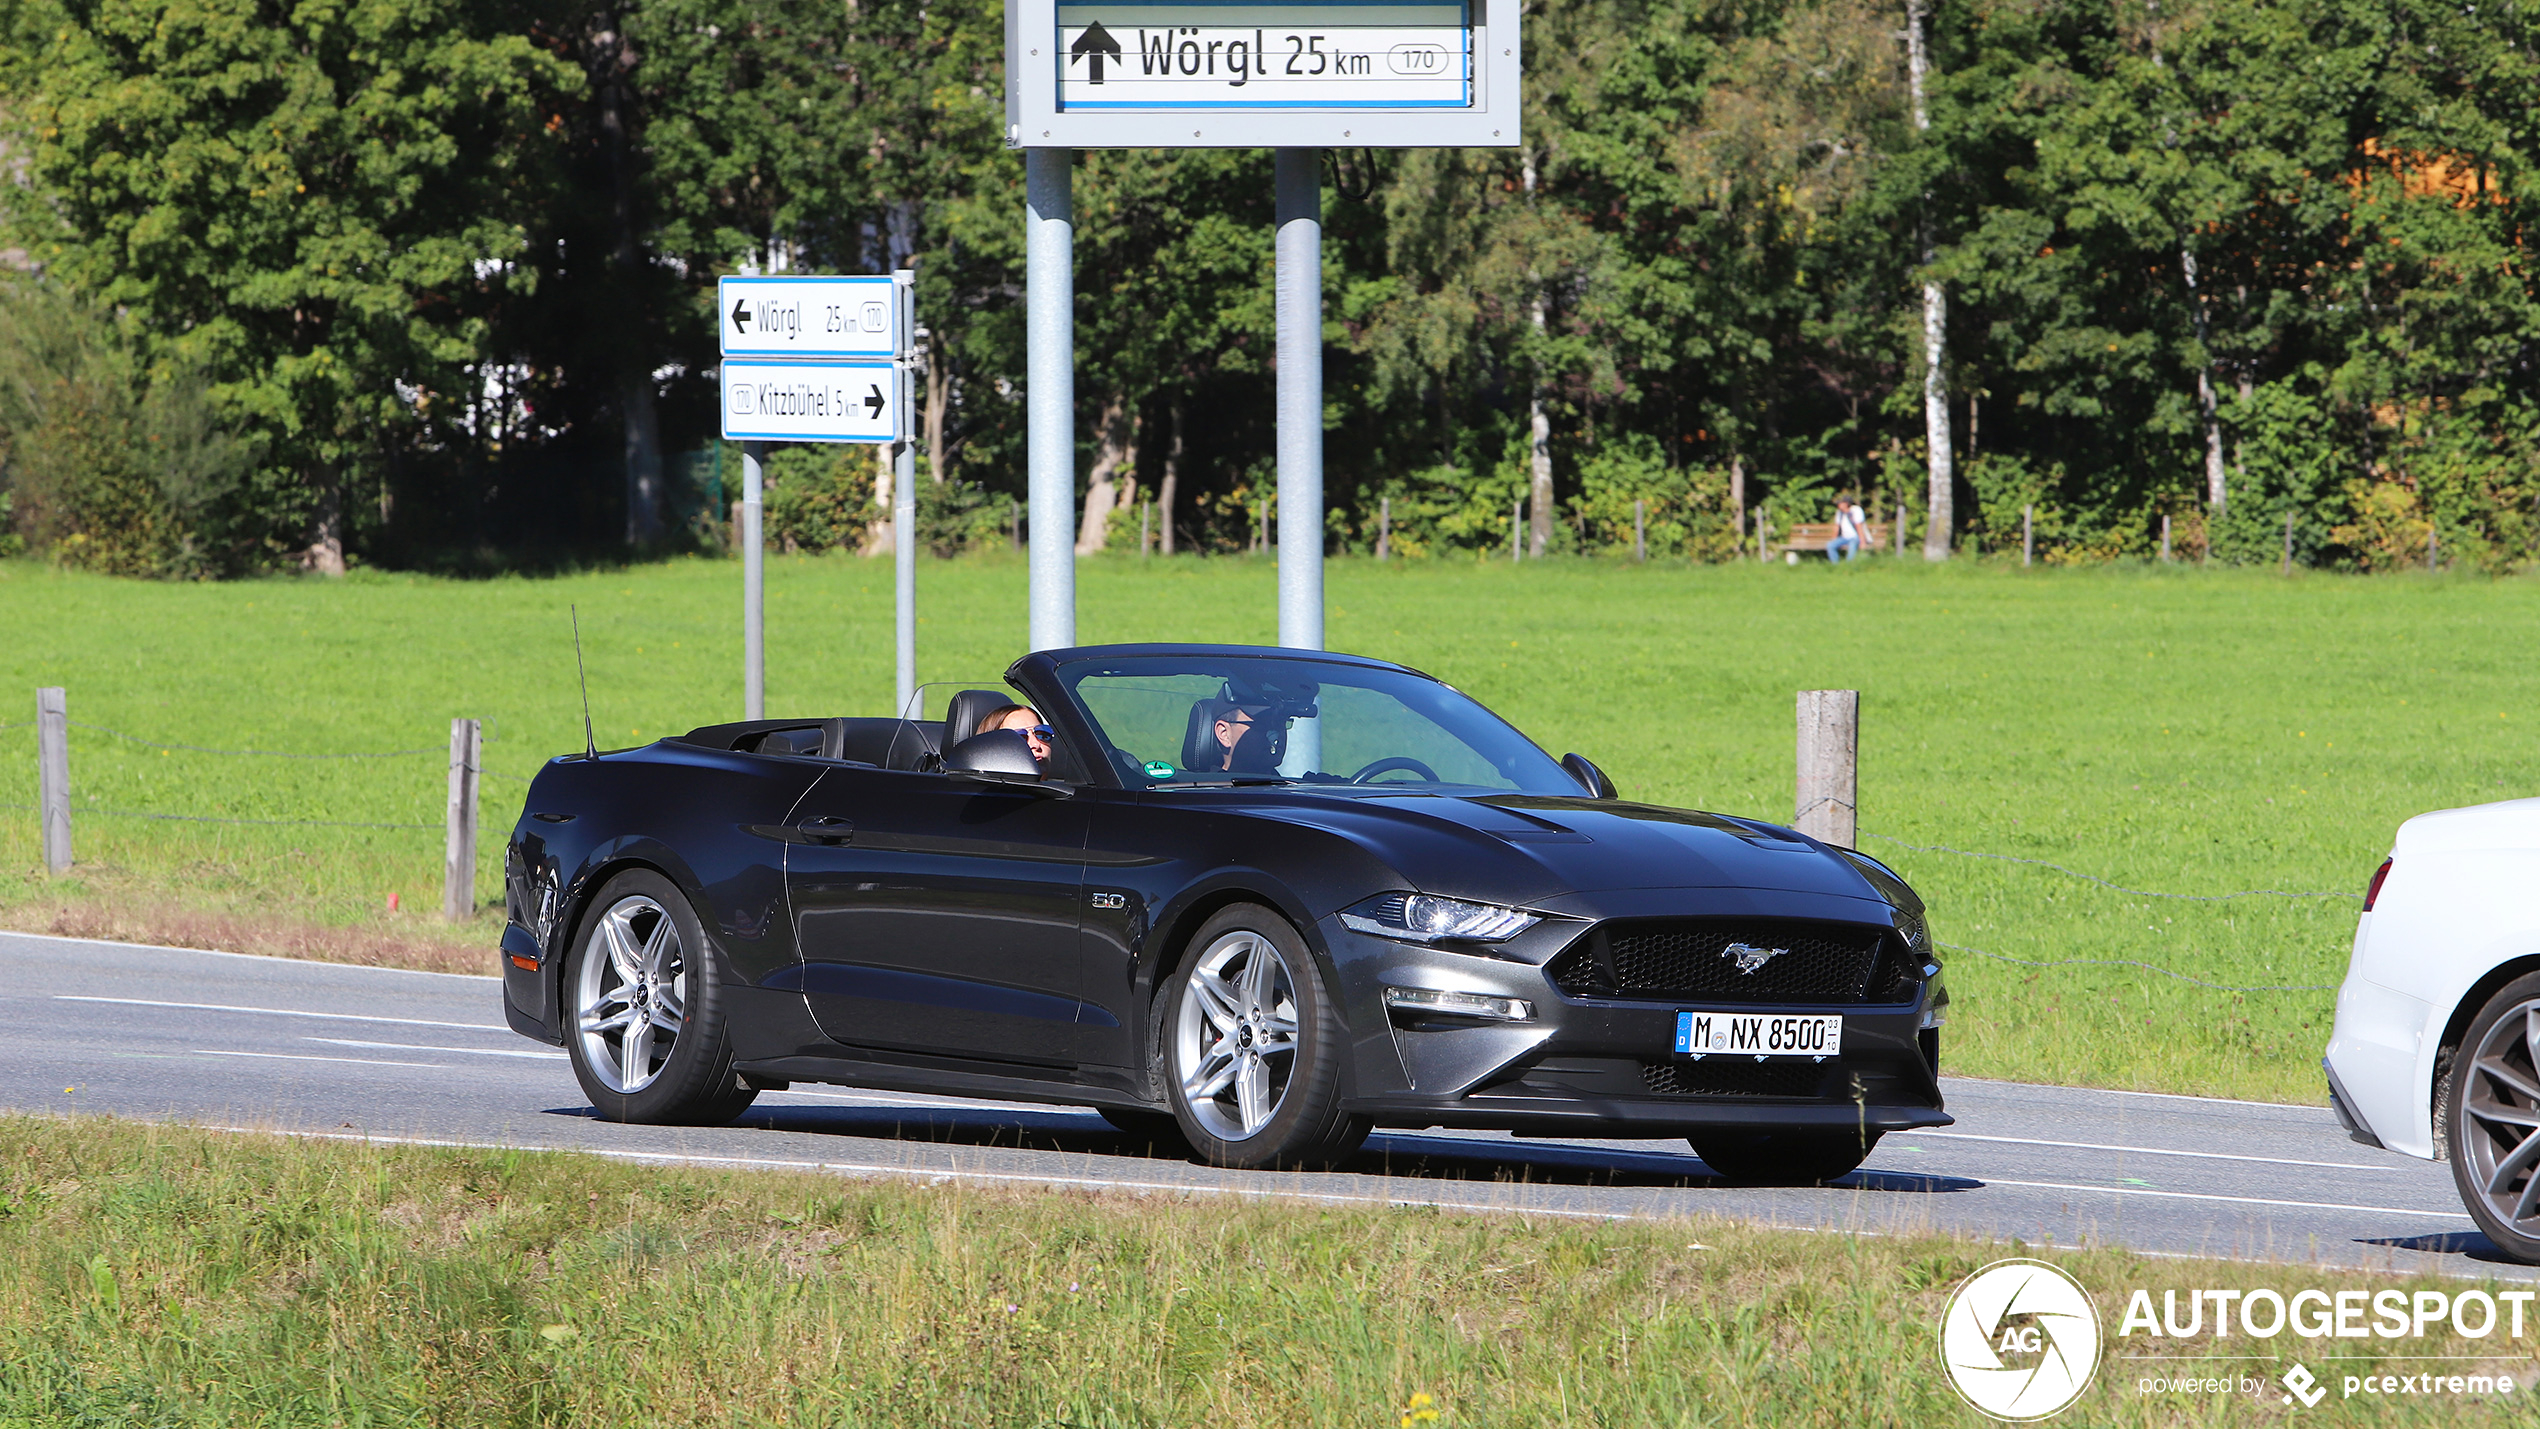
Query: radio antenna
[590, 744]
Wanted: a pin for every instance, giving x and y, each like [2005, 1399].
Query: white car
[2439, 1016]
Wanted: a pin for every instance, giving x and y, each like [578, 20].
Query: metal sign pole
[753, 587]
[1299, 302]
[904, 526]
[1049, 391]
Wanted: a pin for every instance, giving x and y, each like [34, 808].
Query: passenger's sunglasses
[1043, 733]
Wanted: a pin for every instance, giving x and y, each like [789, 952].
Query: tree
[313, 204]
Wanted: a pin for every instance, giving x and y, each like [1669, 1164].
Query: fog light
[1487, 1007]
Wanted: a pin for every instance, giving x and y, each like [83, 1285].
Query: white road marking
[2235, 1200]
[931, 1174]
[2141, 1150]
[292, 1057]
[413, 1047]
[277, 1012]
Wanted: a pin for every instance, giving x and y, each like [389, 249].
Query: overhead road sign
[1112, 74]
[835, 318]
[766, 401]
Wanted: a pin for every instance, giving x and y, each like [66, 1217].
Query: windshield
[1212, 719]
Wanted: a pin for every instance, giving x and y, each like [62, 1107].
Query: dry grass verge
[403, 943]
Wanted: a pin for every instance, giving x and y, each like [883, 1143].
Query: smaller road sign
[812, 317]
[815, 401]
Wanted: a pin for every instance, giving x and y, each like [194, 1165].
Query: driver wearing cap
[1246, 743]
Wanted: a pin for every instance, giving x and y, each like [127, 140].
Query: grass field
[164, 1277]
[2167, 729]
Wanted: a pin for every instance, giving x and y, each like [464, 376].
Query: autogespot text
[2390, 1315]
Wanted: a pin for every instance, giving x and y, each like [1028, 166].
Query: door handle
[828, 829]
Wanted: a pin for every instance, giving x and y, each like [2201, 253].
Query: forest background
[428, 283]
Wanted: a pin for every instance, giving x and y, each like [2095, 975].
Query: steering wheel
[1391, 763]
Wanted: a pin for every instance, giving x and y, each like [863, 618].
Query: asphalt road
[223, 1040]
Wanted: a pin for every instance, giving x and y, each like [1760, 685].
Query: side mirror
[1589, 776]
[1001, 756]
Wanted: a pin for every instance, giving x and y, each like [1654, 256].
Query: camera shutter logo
[2020, 1340]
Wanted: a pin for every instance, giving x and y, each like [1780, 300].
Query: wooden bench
[1818, 535]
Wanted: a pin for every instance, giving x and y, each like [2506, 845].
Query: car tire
[642, 955]
[2491, 1110]
[1250, 1046]
[1783, 1158]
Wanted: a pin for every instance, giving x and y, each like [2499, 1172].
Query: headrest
[1256, 753]
[833, 738]
[962, 716]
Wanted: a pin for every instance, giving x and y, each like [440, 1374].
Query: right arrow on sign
[741, 315]
[1091, 47]
[873, 401]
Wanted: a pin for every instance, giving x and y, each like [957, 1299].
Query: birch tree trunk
[1941, 524]
[2215, 487]
[1118, 453]
[1538, 422]
[1166, 490]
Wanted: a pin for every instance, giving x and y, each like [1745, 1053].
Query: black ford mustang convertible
[1260, 899]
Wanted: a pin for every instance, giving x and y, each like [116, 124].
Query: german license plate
[1754, 1034]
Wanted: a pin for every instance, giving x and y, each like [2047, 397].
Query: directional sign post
[818, 359]
[1295, 77]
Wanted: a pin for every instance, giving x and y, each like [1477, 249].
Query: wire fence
[170, 745]
[173, 746]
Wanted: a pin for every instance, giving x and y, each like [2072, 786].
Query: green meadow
[2167, 729]
[171, 1277]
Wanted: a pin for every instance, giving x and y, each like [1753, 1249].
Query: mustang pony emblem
[1749, 957]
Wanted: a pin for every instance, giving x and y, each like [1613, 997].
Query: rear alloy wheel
[1783, 1158]
[646, 1035]
[1252, 1048]
[2494, 1111]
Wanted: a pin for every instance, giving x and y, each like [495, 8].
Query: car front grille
[1733, 961]
[1717, 1077]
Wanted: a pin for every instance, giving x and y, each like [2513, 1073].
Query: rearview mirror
[1589, 776]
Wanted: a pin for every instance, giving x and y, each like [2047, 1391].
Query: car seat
[962, 716]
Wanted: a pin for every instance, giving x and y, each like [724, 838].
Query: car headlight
[1427, 918]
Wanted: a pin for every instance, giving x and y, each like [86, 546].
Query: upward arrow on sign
[1092, 47]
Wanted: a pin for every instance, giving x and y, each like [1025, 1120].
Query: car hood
[1610, 844]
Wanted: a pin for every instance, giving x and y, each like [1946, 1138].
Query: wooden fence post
[1516, 530]
[53, 775]
[1829, 779]
[2028, 535]
[1384, 529]
[1900, 528]
[458, 868]
[2288, 541]
[2165, 538]
[1640, 529]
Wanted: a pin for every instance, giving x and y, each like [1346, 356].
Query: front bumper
[1606, 1066]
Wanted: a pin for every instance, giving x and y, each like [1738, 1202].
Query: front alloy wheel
[1234, 1043]
[1251, 1046]
[2495, 1119]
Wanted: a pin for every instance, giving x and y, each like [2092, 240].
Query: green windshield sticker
[1158, 769]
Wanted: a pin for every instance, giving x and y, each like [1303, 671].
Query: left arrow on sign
[741, 314]
[1091, 47]
[873, 400]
